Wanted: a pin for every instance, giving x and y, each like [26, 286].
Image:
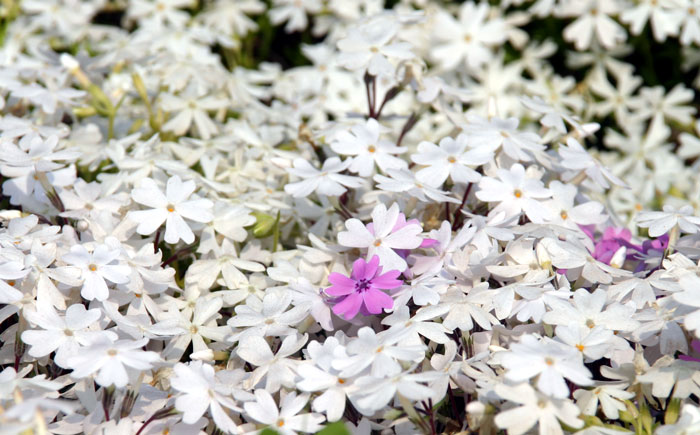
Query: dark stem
[177, 254]
[146, 423]
[459, 217]
[19, 351]
[351, 413]
[369, 81]
[156, 242]
[429, 410]
[374, 96]
[407, 127]
[455, 412]
[158, 415]
[107, 400]
[390, 95]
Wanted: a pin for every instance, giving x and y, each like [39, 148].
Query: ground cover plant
[349, 216]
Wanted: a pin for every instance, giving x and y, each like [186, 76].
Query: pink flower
[362, 290]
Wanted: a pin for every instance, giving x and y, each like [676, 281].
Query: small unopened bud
[475, 414]
[73, 67]
[69, 62]
[618, 259]
[82, 225]
[543, 257]
[264, 225]
[84, 112]
[672, 411]
[203, 355]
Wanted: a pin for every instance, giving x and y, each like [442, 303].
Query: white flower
[369, 46]
[277, 369]
[665, 21]
[96, 267]
[690, 22]
[388, 233]
[658, 104]
[203, 325]
[594, 17]
[378, 352]
[563, 212]
[515, 192]
[112, 360]
[64, 335]
[660, 222]
[549, 361]
[422, 323]
[575, 157]
[535, 408]
[172, 208]
[326, 181]
[374, 393]
[321, 376]
[191, 107]
[589, 309]
[446, 246]
[204, 272]
[287, 420]
[495, 133]
[466, 307]
[468, 39]
[269, 317]
[11, 271]
[593, 343]
[294, 12]
[609, 395]
[403, 180]
[450, 159]
[366, 147]
[201, 391]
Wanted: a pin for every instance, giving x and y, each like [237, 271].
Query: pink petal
[376, 301]
[371, 269]
[349, 307]
[427, 243]
[387, 280]
[358, 269]
[342, 285]
[400, 222]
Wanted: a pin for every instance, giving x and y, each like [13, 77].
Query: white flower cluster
[427, 218]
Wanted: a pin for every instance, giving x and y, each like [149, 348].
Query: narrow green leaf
[337, 428]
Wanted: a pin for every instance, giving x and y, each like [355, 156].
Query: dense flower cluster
[247, 216]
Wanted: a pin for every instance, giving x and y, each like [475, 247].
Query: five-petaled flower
[362, 290]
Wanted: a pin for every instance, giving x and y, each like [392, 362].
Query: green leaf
[672, 410]
[645, 418]
[337, 428]
[268, 431]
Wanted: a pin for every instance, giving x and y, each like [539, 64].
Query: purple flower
[696, 346]
[613, 239]
[362, 290]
